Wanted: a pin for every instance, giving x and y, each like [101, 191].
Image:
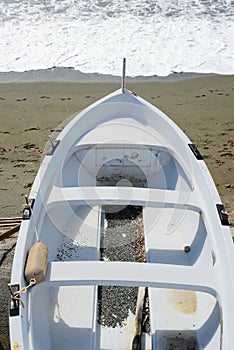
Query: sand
[29, 112]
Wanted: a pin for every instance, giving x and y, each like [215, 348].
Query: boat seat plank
[123, 196]
[132, 274]
[168, 233]
[74, 307]
[81, 236]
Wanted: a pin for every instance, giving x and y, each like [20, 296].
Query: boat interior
[105, 200]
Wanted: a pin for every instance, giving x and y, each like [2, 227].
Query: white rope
[15, 296]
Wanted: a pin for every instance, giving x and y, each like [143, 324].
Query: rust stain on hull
[184, 301]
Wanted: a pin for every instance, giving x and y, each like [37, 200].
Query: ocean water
[157, 37]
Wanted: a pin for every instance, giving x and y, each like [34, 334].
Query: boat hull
[123, 153]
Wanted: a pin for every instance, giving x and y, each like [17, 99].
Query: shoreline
[202, 106]
[69, 74]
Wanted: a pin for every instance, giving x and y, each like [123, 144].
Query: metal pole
[123, 76]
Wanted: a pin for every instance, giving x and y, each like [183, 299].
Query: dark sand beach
[202, 106]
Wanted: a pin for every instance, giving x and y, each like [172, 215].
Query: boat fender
[36, 264]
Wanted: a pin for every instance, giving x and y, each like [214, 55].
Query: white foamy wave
[157, 37]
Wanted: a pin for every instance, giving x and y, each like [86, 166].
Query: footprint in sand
[31, 129]
[29, 145]
[21, 99]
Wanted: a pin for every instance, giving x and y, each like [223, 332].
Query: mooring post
[123, 75]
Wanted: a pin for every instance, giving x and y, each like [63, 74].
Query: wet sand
[29, 112]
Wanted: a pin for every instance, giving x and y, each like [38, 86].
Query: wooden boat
[122, 152]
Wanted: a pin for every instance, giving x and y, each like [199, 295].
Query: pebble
[126, 223]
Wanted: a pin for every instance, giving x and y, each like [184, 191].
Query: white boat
[123, 152]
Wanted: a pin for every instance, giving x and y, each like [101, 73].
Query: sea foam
[157, 37]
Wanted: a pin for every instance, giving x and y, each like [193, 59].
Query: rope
[15, 296]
